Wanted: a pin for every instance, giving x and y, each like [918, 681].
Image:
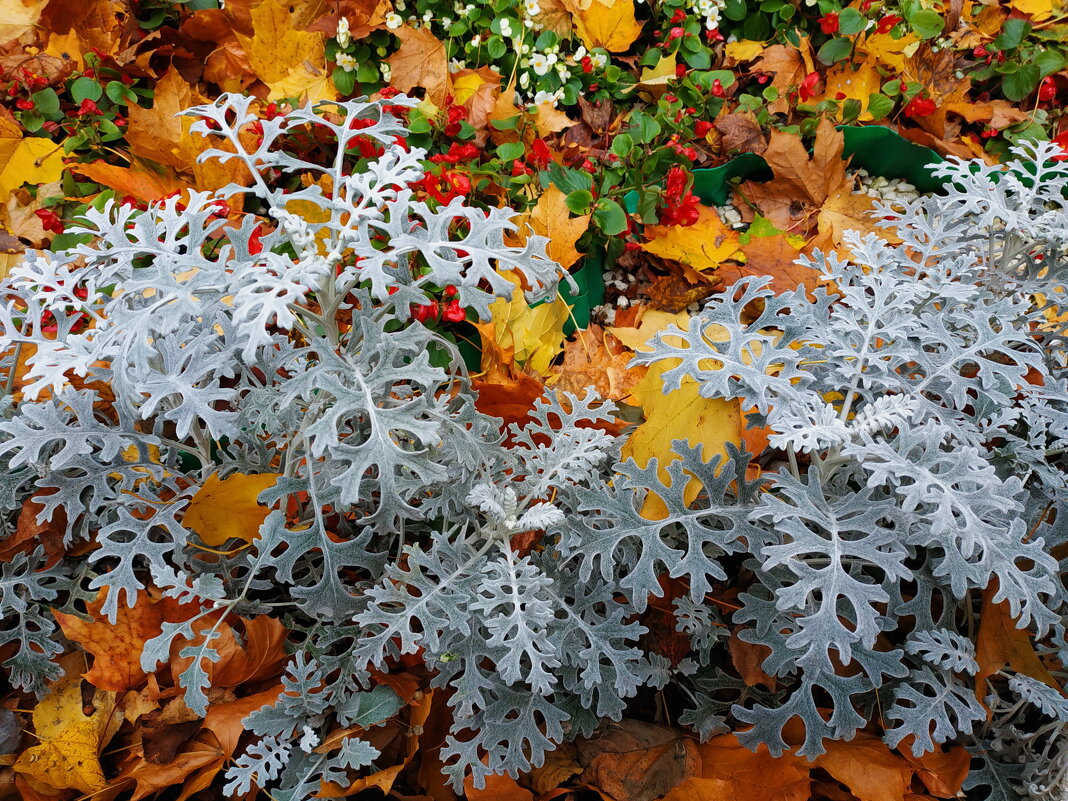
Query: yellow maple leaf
[744, 50]
[605, 23]
[1038, 10]
[680, 414]
[34, 159]
[290, 61]
[67, 756]
[654, 80]
[227, 509]
[887, 50]
[843, 82]
[702, 246]
[550, 218]
[18, 17]
[533, 335]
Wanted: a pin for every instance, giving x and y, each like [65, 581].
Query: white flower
[552, 58]
[506, 28]
[580, 54]
[540, 63]
[386, 71]
[345, 61]
[393, 21]
[545, 97]
[446, 21]
[344, 38]
[524, 80]
[563, 72]
[456, 65]
[476, 40]
[599, 60]
[427, 16]
[528, 22]
[531, 7]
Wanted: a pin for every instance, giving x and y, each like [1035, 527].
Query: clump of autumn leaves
[600, 161]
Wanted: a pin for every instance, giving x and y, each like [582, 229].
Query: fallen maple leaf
[999, 643]
[731, 771]
[550, 218]
[701, 247]
[420, 61]
[31, 159]
[532, 335]
[636, 761]
[288, 60]
[605, 23]
[67, 755]
[595, 358]
[867, 767]
[116, 647]
[18, 17]
[227, 509]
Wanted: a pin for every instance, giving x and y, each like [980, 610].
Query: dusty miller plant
[917, 407]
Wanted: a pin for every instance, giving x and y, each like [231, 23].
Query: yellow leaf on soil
[67, 756]
[222, 510]
[605, 23]
[702, 246]
[550, 218]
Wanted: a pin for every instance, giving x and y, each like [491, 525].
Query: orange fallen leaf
[420, 62]
[867, 767]
[227, 509]
[551, 218]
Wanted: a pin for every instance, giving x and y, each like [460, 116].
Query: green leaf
[86, 89]
[610, 217]
[1049, 62]
[31, 121]
[834, 50]
[1022, 82]
[510, 151]
[647, 128]
[1013, 32]
[879, 105]
[344, 81]
[927, 23]
[578, 202]
[851, 22]
[568, 180]
[622, 144]
[46, 102]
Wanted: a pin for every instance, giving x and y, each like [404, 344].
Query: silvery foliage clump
[181, 350]
[917, 409]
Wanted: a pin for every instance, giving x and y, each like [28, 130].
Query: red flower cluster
[445, 187]
[680, 205]
[456, 154]
[920, 107]
[50, 221]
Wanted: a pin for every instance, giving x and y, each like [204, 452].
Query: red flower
[680, 206]
[717, 89]
[887, 22]
[1062, 140]
[87, 107]
[678, 16]
[539, 154]
[1047, 90]
[50, 221]
[676, 33]
[701, 128]
[807, 88]
[254, 244]
[453, 313]
[24, 104]
[920, 107]
[587, 64]
[424, 312]
[829, 23]
[680, 70]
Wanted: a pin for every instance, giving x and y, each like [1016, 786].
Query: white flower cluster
[710, 10]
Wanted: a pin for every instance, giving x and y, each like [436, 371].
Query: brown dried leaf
[636, 761]
[420, 61]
